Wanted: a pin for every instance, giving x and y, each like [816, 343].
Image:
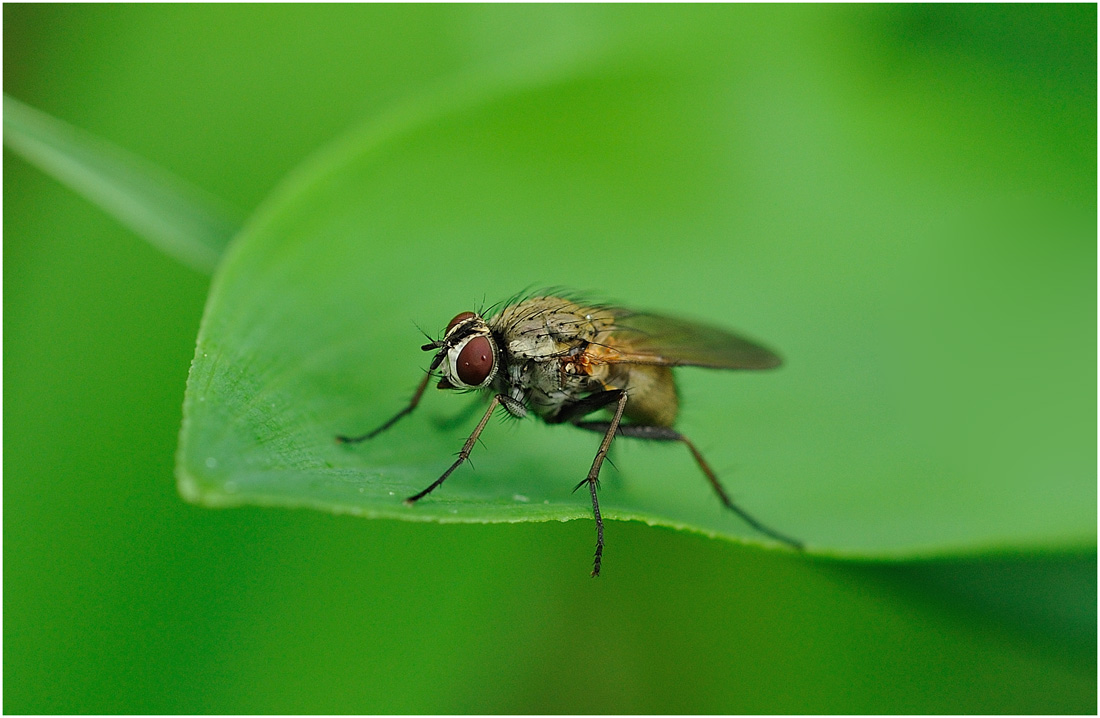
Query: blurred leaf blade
[179, 219]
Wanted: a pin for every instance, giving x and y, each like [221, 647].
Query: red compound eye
[475, 361]
[458, 320]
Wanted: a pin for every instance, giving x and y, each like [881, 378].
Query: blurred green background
[120, 597]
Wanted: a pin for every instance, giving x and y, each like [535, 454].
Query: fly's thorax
[547, 388]
[546, 328]
[544, 348]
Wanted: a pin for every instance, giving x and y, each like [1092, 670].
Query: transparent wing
[643, 338]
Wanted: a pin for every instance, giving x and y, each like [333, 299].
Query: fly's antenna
[427, 336]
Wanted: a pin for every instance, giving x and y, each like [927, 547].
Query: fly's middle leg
[665, 433]
[594, 474]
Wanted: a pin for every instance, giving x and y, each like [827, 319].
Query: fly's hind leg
[664, 433]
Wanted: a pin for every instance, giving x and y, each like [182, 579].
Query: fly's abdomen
[651, 392]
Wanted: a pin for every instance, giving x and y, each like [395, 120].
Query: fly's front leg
[594, 472]
[407, 410]
[664, 433]
[462, 455]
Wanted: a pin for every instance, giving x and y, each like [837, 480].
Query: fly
[564, 361]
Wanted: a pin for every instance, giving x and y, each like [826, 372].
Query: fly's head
[467, 354]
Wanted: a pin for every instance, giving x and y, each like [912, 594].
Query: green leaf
[177, 218]
[938, 395]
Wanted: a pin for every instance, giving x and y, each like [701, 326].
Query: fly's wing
[642, 338]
